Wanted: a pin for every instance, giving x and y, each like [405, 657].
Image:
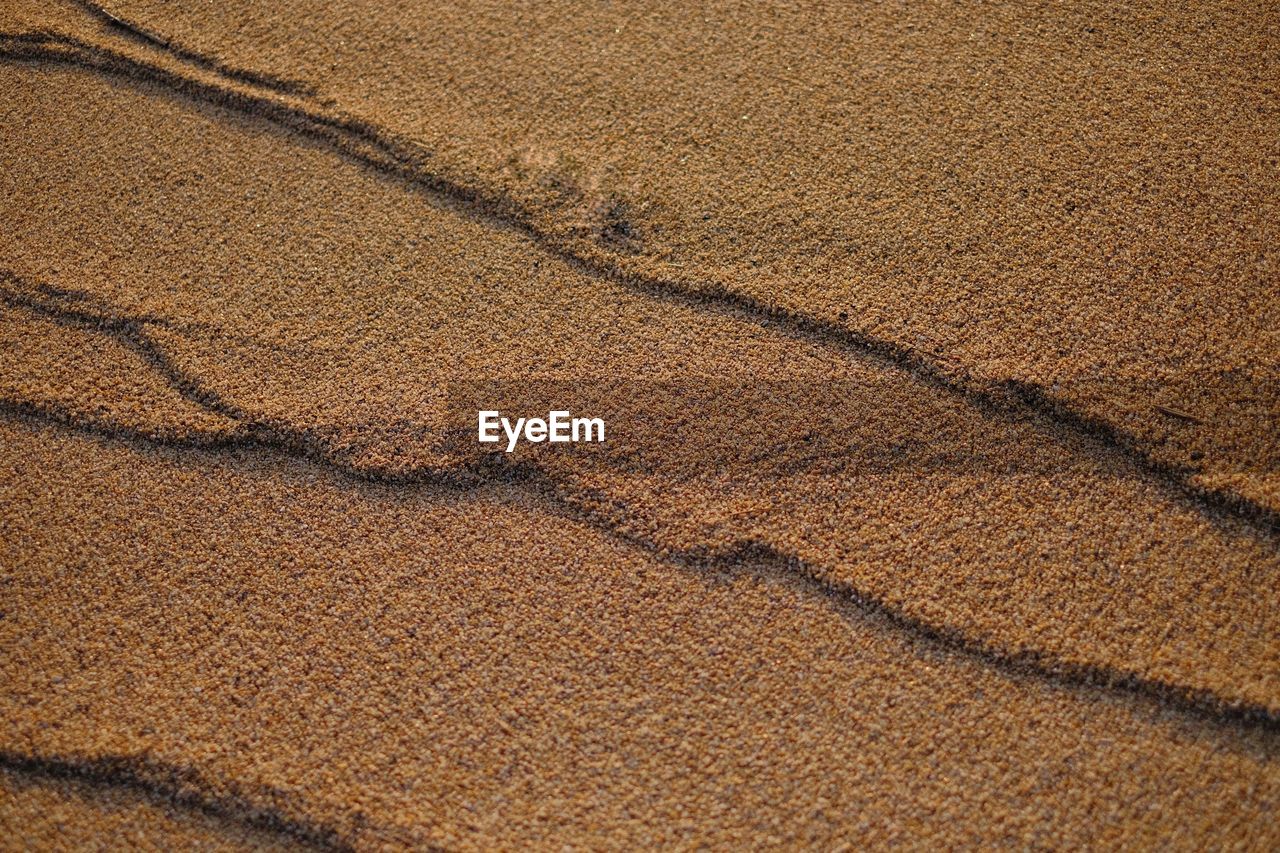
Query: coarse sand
[376, 664]
[53, 807]
[939, 351]
[1073, 206]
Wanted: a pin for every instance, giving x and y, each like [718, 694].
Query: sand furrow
[569, 499]
[255, 78]
[460, 698]
[404, 157]
[997, 530]
[179, 789]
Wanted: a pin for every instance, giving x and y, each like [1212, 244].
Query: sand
[377, 665]
[52, 807]
[927, 516]
[1074, 208]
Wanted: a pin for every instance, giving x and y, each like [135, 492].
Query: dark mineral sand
[975, 542]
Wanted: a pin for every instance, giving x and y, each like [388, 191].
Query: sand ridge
[50, 806]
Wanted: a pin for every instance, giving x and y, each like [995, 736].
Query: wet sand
[932, 511]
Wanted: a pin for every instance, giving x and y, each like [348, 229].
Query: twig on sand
[1177, 413]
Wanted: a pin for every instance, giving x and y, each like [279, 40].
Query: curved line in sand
[256, 78]
[606, 515]
[184, 788]
[389, 154]
[752, 557]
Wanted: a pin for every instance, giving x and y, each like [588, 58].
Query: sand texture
[52, 807]
[940, 348]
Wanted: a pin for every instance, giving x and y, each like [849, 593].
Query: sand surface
[52, 807]
[940, 502]
[429, 665]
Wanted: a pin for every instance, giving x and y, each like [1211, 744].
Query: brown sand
[468, 668]
[47, 808]
[949, 603]
[1071, 208]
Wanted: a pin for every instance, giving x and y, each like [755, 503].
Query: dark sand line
[190, 440]
[182, 787]
[210, 63]
[607, 516]
[612, 518]
[366, 143]
[91, 308]
[132, 332]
